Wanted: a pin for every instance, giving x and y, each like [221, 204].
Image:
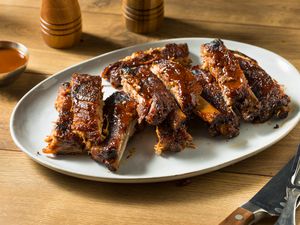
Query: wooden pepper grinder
[143, 16]
[60, 22]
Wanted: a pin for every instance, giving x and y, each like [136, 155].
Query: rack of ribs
[62, 140]
[176, 52]
[154, 105]
[187, 91]
[274, 102]
[87, 107]
[222, 64]
[119, 125]
[212, 93]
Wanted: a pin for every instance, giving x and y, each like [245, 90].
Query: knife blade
[268, 201]
[293, 192]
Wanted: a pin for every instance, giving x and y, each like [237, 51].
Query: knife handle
[240, 216]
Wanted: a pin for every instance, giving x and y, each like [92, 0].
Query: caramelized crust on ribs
[160, 87]
[213, 94]
[154, 101]
[121, 118]
[158, 107]
[180, 82]
[274, 102]
[187, 91]
[226, 69]
[87, 100]
[170, 137]
[62, 140]
[176, 52]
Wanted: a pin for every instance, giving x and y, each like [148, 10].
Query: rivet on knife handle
[239, 217]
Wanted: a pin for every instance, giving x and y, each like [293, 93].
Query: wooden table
[32, 194]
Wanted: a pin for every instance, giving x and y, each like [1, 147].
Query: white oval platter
[33, 117]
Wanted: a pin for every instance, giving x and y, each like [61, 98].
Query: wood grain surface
[32, 194]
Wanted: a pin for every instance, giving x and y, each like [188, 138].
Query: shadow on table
[92, 45]
[21, 85]
[176, 28]
[152, 193]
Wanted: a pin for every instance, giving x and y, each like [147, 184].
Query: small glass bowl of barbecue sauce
[13, 61]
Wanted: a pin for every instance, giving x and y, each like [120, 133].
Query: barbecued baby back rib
[154, 101]
[62, 140]
[158, 107]
[226, 69]
[187, 91]
[180, 82]
[176, 52]
[274, 102]
[87, 102]
[211, 90]
[173, 138]
[120, 120]
[213, 94]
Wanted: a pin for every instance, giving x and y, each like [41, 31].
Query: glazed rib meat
[212, 93]
[120, 120]
[86, 93]
[226, 69]
[154, 105]
[173, 136]
[154, 101]
[187, 92]
[62, 140]
[274, 102]
[121, 74]
[180, 82]
[176, 52]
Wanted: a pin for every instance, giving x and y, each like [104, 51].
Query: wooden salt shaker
[143, 16]
[60, 22]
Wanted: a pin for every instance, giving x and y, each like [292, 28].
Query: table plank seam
[10, 150]
[37, 73]
[244, 173]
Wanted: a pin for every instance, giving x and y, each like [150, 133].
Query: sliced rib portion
[187, 92]
[171, 138]
[274, 102]
[158, 107]
[213, 94]
[120, 120]
[176, 52]
[87, 107]
[226, 69]
[180, 82]
[62, 140]
[154, 101]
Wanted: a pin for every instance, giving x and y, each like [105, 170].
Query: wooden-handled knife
[268, 201]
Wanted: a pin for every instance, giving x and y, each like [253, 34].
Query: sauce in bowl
[11, 59]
